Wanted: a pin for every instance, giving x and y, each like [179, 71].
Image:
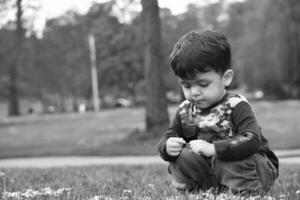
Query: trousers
[254, 173]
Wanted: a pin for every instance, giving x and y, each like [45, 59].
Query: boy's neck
[221, 99]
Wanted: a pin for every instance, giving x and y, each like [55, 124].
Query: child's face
[206, 88]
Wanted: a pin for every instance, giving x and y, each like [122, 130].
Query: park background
[49, 105]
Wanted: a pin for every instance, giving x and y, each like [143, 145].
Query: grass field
[103, 133]
[126, 182]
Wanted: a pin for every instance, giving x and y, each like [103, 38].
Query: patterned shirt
[229, 124]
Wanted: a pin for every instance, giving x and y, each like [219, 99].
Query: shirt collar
[216, 103]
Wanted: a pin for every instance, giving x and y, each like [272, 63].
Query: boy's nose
[196, 93]
[196, 97]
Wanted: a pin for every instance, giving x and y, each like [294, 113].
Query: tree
[13, 56]
[63, 62]
[156, 105]
[265, 38]
[294, 16]
[13, 72]
[65, 55]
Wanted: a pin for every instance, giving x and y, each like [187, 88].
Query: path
[285, 156]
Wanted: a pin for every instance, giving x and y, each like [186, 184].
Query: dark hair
[200, 51]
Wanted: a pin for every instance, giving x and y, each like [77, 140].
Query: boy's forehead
[210, 75]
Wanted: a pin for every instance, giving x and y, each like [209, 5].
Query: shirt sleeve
[174, 130]
[248, 135]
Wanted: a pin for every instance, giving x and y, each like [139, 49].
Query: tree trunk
[157, 117]
[14, 108]
[294, 8]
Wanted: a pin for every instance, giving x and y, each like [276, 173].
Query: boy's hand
[202, 147]
[174, 146]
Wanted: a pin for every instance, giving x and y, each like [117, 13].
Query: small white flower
[282, 196]
[225, 123]
[151, 185]
[46, 189]
[58, 193]
[298, 192]
[5, 194]
[95, 198]
[16, 195]
[28, 194]
[228, 111]
[127, 191]
[270, 198]
[67, 189]
[101, 197]
[195, 197]
[49, 192]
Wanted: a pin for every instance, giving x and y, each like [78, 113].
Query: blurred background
[77, 76]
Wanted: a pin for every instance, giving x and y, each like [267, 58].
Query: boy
[214, 139]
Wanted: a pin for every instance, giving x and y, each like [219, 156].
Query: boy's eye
[203, 84]
[200, 84]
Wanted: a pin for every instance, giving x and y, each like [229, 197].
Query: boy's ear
[227, 77]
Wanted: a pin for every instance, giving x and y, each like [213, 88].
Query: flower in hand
[202, 147]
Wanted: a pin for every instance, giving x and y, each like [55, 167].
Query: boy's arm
[174, 130]
[248, 138]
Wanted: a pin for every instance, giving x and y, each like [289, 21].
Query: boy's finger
[181, 141]
[175, 148]
[174, 153]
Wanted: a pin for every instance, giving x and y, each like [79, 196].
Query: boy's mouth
[199, 102]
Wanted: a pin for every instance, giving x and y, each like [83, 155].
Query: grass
[128, 182]
[103, 133]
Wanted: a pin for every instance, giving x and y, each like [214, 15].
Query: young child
[214, 140]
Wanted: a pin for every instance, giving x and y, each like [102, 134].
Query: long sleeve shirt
[230, 124]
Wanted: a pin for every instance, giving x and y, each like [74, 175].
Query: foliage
[14, 55]
[56, 68]
[261, 33]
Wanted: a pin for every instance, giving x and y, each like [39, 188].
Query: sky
[54, 8]
[51, 8]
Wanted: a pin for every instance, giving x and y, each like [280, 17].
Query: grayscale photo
[149, 99]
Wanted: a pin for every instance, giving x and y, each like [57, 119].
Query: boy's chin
[201, 105]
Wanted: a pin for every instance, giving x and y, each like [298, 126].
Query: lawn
[123, 182]
[104, 133]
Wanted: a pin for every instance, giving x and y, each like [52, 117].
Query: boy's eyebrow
[203, 80]
[196, 81]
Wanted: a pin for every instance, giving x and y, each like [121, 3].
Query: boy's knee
[193, 169]
[185, 155]
[250, 174]
[191, 161]
[266, 170]
[238, 176]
